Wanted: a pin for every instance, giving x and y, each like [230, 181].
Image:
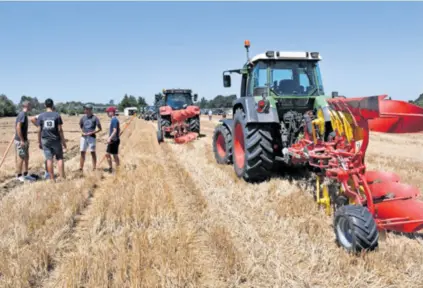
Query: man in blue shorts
[51, 138]
[114, 140]
[88, 124]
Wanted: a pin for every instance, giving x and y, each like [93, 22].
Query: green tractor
[278, 91]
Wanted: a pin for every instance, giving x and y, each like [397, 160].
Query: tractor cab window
[257, 84]
[296, 78]
[178, 100]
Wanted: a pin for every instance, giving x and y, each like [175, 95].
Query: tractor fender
[165, 110]
[249, 105]
[228, 123]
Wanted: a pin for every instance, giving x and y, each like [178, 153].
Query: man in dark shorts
[51, 138]
[88, 123]
[114, 140]
[22, 144]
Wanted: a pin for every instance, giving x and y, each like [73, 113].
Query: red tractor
[178, 116]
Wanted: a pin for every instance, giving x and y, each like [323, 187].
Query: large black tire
[160, 136]
[355, 229]
[165, 122]
[222, 145]
[252, 148]
[194, 124]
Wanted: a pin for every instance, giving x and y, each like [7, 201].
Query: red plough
[364, 201]
[397, 117]
[179, 127]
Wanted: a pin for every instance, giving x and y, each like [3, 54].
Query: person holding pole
[22, 144]
[51, 138]
[114, 138]
[88, 124]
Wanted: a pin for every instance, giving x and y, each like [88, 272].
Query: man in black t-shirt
[22, 144]
[51, 138]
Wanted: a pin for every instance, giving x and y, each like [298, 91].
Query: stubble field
[172, 217]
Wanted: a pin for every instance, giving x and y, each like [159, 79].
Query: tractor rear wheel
[222, 145]
[252, 147]
[194, 124]
[165, 122]
[355, 229]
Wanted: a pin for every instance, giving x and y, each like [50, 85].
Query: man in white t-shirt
[210, 114]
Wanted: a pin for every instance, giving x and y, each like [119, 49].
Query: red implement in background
[397, 117]
[179, 127]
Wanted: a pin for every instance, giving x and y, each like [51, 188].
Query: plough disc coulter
[363, 201]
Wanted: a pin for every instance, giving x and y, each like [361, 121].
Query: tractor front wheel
[252, 149]
[355, 229]
[194, 124]
[222, 145]
[165, 122]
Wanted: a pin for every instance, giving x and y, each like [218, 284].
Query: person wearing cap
[88, 123]
[114, 140]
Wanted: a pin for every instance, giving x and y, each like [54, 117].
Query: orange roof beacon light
[247, 44]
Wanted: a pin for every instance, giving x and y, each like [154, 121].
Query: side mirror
[195, 97]
[334, 94]
[226, 81]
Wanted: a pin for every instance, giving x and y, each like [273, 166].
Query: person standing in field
[88, 123]
[114, 139]
[34, 121]
[22, 144]
[51, 138]
[210, 114]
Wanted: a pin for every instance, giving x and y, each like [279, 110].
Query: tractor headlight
[270, 54]
[314, 55]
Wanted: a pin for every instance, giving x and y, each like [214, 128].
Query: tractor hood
[178, 105]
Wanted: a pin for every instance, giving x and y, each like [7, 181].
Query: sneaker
[20, 178]
[29, 178]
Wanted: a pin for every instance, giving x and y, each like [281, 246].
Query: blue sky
[99, 51]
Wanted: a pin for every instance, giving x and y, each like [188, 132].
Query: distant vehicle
[150, 113]
[129, 111]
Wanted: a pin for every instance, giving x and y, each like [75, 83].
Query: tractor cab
[279, 74]
[178, 99]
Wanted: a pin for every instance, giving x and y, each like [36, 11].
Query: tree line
[8, 108]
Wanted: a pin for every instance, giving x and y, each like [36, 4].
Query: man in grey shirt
[22, 144]
[51, 138]
[88, 123]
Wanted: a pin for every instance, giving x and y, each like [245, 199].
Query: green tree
[203, 103]
[141, 102]
[7, 107]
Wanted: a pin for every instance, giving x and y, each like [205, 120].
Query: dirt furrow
[152, 223]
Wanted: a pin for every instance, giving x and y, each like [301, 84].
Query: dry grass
[172, 217]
